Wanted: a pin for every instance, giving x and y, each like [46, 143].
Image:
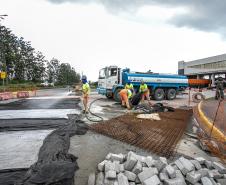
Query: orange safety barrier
[6, 96]
[23, 94]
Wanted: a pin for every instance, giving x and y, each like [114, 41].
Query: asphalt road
[48, 110]
[25, 123]
[215, 111]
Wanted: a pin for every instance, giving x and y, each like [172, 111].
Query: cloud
[204, 15]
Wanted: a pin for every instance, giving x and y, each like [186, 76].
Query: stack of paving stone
[133, 169]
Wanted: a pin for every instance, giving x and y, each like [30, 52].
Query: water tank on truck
[161, 86]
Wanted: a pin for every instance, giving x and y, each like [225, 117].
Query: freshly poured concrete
[20, 149]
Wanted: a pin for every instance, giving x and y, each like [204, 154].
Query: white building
[211, 67]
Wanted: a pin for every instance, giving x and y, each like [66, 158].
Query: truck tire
[116, 95]
[159, 94]
[171, 94]
[109, 96]
[198, 97]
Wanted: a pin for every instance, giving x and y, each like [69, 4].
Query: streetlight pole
[1, 50]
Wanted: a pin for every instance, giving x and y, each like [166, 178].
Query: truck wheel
[116, 95]
[159, 94]
[109, 96]
[171, 94]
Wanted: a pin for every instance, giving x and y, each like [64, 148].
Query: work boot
[85, 112]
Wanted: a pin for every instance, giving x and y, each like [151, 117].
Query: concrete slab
[92, 148]
[189, 147]
[20, 149]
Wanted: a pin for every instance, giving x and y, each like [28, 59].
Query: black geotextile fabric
[8, 177]
[55, 166]
[31, 124]
[157, 107]
[136, 99]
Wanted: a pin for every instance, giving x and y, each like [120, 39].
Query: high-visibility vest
[143, 87]
[129, 93]
[86, 88]
[129, 86]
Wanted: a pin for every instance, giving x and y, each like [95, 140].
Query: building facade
[210, 67]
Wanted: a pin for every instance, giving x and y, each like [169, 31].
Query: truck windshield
[102, 74]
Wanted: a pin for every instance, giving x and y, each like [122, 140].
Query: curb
[209, 124]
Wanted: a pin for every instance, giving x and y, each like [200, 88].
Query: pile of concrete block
[133, 169]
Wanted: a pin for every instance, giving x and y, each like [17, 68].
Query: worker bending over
[125, 95]
[145, 91]
[85, 93]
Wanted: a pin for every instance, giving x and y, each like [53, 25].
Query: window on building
[214, 65]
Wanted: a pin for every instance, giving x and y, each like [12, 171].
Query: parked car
[47, 84]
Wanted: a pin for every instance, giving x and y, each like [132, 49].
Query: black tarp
[55, 166]
[31, 124]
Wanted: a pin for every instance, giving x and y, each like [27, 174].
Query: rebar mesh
[159, 137]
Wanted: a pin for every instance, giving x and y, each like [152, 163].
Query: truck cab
[109, 77]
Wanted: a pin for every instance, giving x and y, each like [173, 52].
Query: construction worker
[125, 95]
[85, 93]
[129, 86]
[220, 89]
[145, 91]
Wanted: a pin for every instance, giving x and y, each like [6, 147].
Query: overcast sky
[139, 34]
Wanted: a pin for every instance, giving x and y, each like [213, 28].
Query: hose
[196, 99]
[158, 107]
[93, 114]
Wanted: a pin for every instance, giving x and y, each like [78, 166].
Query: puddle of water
[37, 113]
[20, 149]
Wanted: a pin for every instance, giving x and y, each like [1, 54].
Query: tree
[52, 71]
[23, 63]
[67, 75]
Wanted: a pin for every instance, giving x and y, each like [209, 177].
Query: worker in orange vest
[125, 95]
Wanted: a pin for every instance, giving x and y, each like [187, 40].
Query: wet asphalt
[25, 123]
[48, 110]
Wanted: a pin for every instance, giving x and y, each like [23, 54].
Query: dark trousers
[219, 94]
